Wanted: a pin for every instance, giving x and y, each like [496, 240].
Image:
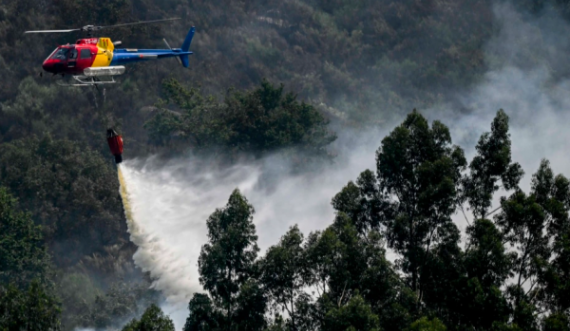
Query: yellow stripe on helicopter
[105, 50]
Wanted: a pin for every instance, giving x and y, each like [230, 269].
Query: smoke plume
[170, 202]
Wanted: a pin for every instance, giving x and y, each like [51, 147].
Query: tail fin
[186, 47]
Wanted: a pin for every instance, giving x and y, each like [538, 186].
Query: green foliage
[120, 302]
[78, 294]
[228, 273]
[227, 260]
[71, 191]
[528, 223]
[355, 315]
[418, 166]
[23, 256]
[363, 202]
[353, 55]
[260, 120]
[479, 300]
[203, 316]
[33, 308]
[26, 292]
[486, 257]
[425, 324]
[505, 327]
[37, 109]
[364, 60]
[408, 205]
[556, 275]
[250, 305]
[556, 322]
[493, 161]
[344, 266]
[153, 319]
[282, 272]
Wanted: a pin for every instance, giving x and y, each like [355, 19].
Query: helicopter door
[85, 58]
[72, 58]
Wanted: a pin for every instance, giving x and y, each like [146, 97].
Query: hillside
[343, 64]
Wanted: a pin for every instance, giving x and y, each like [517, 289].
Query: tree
[555, 277]
[26, 288]
[527, 223]
[251, 304]
[342, 266]
[123, 300]
[23, 256]
[554, 274]
[479, 301]
[424, 324]
[355, 315]
[282, 272]
[492, 162]
[226, 266]
[71, 191]
[258, 121]
[34, 308]
[203, 316]
[556, 322]
[364, 202]
[419, 170]
[153, 319]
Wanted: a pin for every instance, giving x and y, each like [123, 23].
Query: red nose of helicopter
[48, 66]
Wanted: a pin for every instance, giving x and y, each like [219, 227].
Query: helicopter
[94, 61]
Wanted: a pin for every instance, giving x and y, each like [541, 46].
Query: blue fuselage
[124, 56]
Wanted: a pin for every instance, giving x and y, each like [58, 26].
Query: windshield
[60, 54]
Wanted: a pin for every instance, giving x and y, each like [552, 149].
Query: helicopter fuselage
[98, 55]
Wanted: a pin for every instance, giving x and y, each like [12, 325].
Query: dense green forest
[340, 278]
[272, 75]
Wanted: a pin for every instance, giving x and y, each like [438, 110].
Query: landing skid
[89, 81]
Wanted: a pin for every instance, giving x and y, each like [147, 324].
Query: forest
[273, 76]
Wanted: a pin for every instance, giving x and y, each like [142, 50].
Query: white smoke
[171, 202]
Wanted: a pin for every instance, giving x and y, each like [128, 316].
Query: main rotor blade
[91, 28]
[141, 22]
[50, 31]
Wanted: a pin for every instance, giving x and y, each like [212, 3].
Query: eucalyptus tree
[536, 226]
[419, 170]
[203, 315]
[228, 272]
[153, 319]
[353, 279]
[364, 203]
[492, 162]
[478, 301]
[282, 273]
[485, 265]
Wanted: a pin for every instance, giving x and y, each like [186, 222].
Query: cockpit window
[72, 54]
[85, 53]
[60, 54]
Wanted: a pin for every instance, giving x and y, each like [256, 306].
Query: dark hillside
[349, 62]
[350, 55]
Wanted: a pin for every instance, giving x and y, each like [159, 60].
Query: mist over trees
[267, 76]
[509, 275]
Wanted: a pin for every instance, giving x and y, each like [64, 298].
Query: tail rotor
[170, 48]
